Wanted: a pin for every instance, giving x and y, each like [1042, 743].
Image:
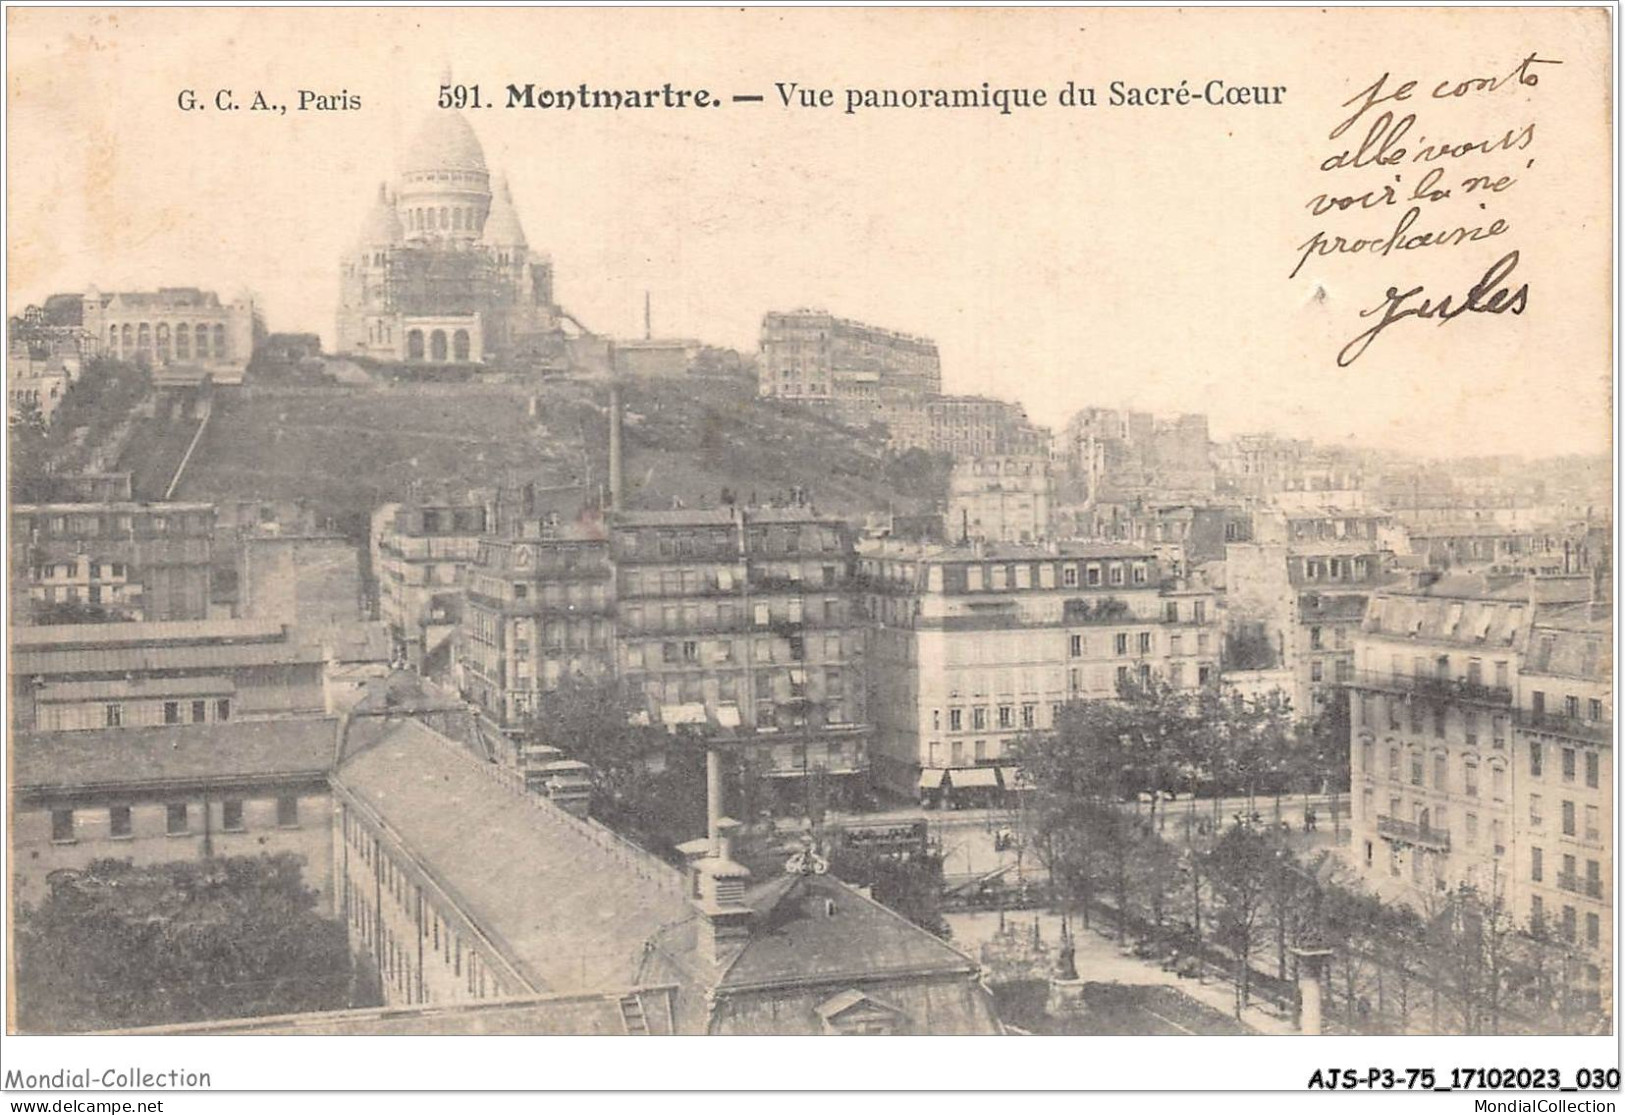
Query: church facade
[441, 272]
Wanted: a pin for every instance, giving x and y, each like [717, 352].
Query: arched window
[163, 342]
[112, 338]
[470, 221]
[183, 341]
[437, 343]
[128, 340]
[202, 335]
[445, 218]
[219, 342]
[143, 337]
[414, 344]
[457, 220]
[459, 345]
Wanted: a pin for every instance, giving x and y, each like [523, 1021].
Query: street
[970, 838]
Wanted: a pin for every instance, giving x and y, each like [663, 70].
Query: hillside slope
[348, 450]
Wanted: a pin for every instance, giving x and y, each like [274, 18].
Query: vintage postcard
[573, 522]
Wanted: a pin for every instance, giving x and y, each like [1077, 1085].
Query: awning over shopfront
[971, 777]
[931, 778]
[682, 714]
[1013, 779]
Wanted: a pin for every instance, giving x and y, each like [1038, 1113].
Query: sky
[1064, 257]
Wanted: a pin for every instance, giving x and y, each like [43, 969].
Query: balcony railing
[1413, 833]
[1448, 688]
[1591, 888]
[1571, 726]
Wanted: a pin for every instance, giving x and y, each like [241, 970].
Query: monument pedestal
[1065, 998]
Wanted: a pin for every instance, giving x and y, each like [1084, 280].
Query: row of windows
[118, 525]
[113, 712]
[445, 218]
[1569, 758]
[1571, 706]
[1592, 832]
[722, 578]
[437, 348]
[1566, 927]
[726, 615]
[1469, 766]
[178, 819]
[1418, 713]
[125, 341]
[724, 542]
[1004, 717]
[724, 651]
[1436, 817]
[783, 685]
[95, 570]
[1568, 877]
[1342, 670]
[1317, 638]
[394, 960]
[1336, 569]
[980, 752]
[1141, 643]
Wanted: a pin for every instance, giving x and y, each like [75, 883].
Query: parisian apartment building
[974, 645]
[1481, 728]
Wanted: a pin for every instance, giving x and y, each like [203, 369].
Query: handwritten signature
[1492, 294]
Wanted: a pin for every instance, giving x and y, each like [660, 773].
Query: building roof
[351, 641]
[174, 297]
[569, 902]
[140, 659]
[1463, 610]
[592, 1015]
[406, 692]
[130, 758]
[109, 507]
[795, 941]
[720, 516]
[446, 141]
[95, 636]
[938, 553]
[153, 688]
[1572, 642]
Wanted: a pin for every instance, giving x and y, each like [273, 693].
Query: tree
[76, 611]
[1347, 920]
[1079, 776]
[118, 946]
[911, 886]
[30, 454]
[1239, 866]
[647, 782]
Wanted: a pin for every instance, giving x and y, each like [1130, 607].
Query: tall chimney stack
[719, 882]
[615, 463]
[713, 801]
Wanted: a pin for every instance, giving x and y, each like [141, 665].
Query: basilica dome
[446, 141]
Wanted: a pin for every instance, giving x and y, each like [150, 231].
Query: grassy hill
[349, 449]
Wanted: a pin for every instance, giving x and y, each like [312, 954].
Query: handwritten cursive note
[1392, 185]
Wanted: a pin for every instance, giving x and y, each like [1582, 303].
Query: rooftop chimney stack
[615, 463]
[719, 881]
